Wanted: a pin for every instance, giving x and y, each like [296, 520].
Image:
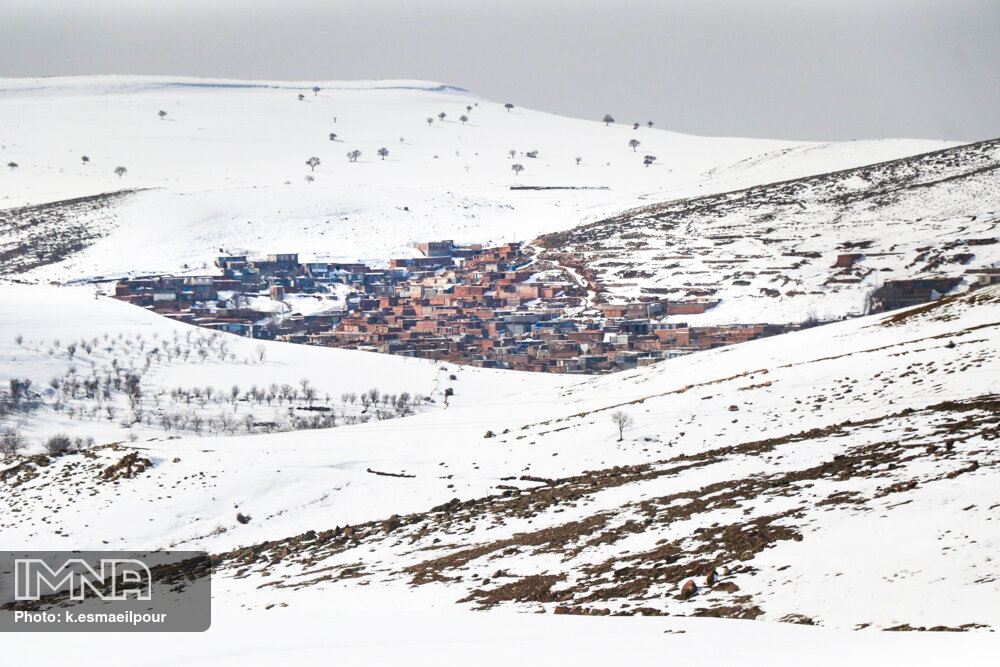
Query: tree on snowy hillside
[162, 114]
[508, 107]
[120, 171]
[517, 168]
[313, 162]
[622, 420]
[85, 159]
[354, 155]
[648, 160]
[464, 119]
[430, 121]
[608, 119]
[333, 136]
[315, 90]
[634, 144]
[383, 152]
[11, 443]
[12, 165]
[442, 116]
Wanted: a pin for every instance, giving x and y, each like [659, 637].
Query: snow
[392, 637]
[711, 431]
[225, 167]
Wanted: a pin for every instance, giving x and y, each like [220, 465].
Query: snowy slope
[226, 167]
[844, 475]
[770, 252]
[68, 336]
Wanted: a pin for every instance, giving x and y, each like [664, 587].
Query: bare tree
[310, 178]
[464, 119]
[12, 165]
[608, 119]
[622, 420]
[578, 159]
[648, 160]
[442, 116]
[313, 162]
[162, 114]
[508, 107]
[315, 90]
[430, 121]
[649, 123]
[11, 443]
[353, 155]
[512, 153]
[333, 136]
[517, 168]
[85, 159]
[383, 153]
[120, 171]
[634, 143]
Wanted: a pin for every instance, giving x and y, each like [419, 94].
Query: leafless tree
[11, 443]
[622, 420]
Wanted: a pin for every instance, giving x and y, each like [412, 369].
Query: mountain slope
[809, 247]
[225, 167]
[871, 438]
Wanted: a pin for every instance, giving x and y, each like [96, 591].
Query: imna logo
[117, 579]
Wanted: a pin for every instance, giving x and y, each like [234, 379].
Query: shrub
[58, 444]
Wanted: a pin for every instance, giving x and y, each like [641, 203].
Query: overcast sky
[795, 69]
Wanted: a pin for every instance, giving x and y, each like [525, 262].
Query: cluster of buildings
[493, 307]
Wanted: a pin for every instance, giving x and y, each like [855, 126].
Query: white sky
[796, 69]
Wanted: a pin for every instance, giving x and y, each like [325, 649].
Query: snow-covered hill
[813, 247]
[844, 476]
[225, 167]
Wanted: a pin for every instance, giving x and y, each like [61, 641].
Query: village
[496, 307]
